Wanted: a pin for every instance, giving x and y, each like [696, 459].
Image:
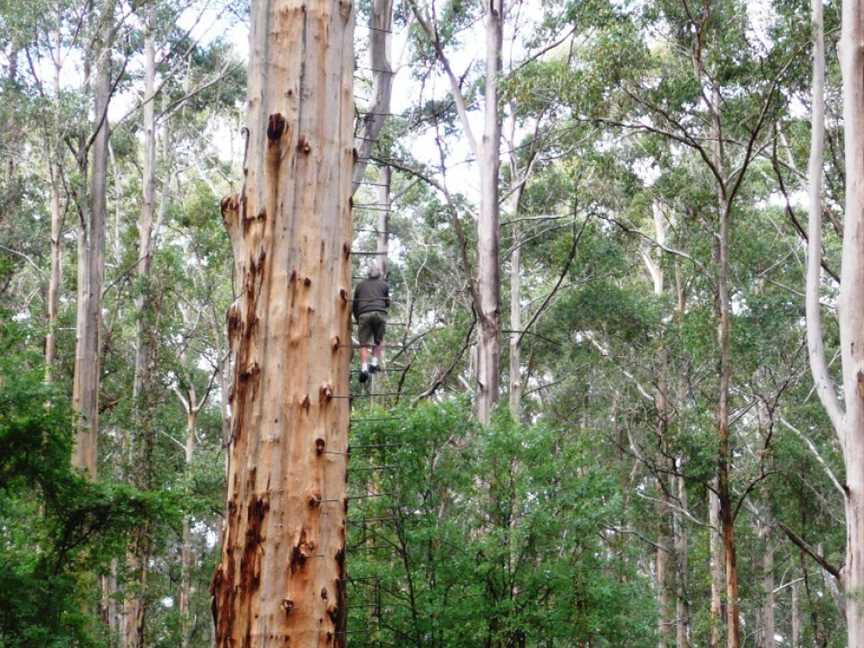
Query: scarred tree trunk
[91, 265]
[488, 235]
[280, 579]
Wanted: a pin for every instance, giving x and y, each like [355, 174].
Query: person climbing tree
[371, 301]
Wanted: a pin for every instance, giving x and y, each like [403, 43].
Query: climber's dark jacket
[371, 295]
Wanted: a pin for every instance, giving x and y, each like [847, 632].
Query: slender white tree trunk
[849, 424]
[796, 616]
[768, 624]
[383, 227]
[488, 235]
[281, 575]
[516, 387]
[187, 556]
[852, 313]
[682, 547]
[717, 566]
[55, 277]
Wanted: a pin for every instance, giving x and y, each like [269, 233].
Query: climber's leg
[366, 335]
[379, 327]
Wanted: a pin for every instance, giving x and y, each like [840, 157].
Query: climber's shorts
[371, 328]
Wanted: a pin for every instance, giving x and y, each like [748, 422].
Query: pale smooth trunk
[796, 616]
[852, 305]
[717, 565]
[849, 424]
[516, 388]
[488, 235]
[682, 602]
[383, 226]
[187, 559]
[768, 625]
[281, 575]
[55, 276]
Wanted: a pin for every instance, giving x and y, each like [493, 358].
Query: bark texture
[280, 580]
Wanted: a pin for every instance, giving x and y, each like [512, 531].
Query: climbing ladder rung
[373, 468]
[374, 394]
[368, 419]
[374, 445]
[369, 495]
[364, 253]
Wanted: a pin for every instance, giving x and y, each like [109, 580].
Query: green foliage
[57, 528]
[466, 547]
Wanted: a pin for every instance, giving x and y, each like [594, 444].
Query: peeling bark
[280, 579]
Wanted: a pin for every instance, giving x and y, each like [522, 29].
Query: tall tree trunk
[55, 277]
[383, 227]
[852, 313]
[664, 555]
[516, 387]
[488, 235]
[679, 519]
[796, 616]
[717, 566]
[187, 557]
[91, 263]
[380, 41]
[281, 576]
[141, 441]
[682, 546]
[848, 424]
[768, 625]
[724, 338]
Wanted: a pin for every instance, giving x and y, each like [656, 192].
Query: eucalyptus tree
[282, 568]
[848, 418]
[91, 251]
[486, 288]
